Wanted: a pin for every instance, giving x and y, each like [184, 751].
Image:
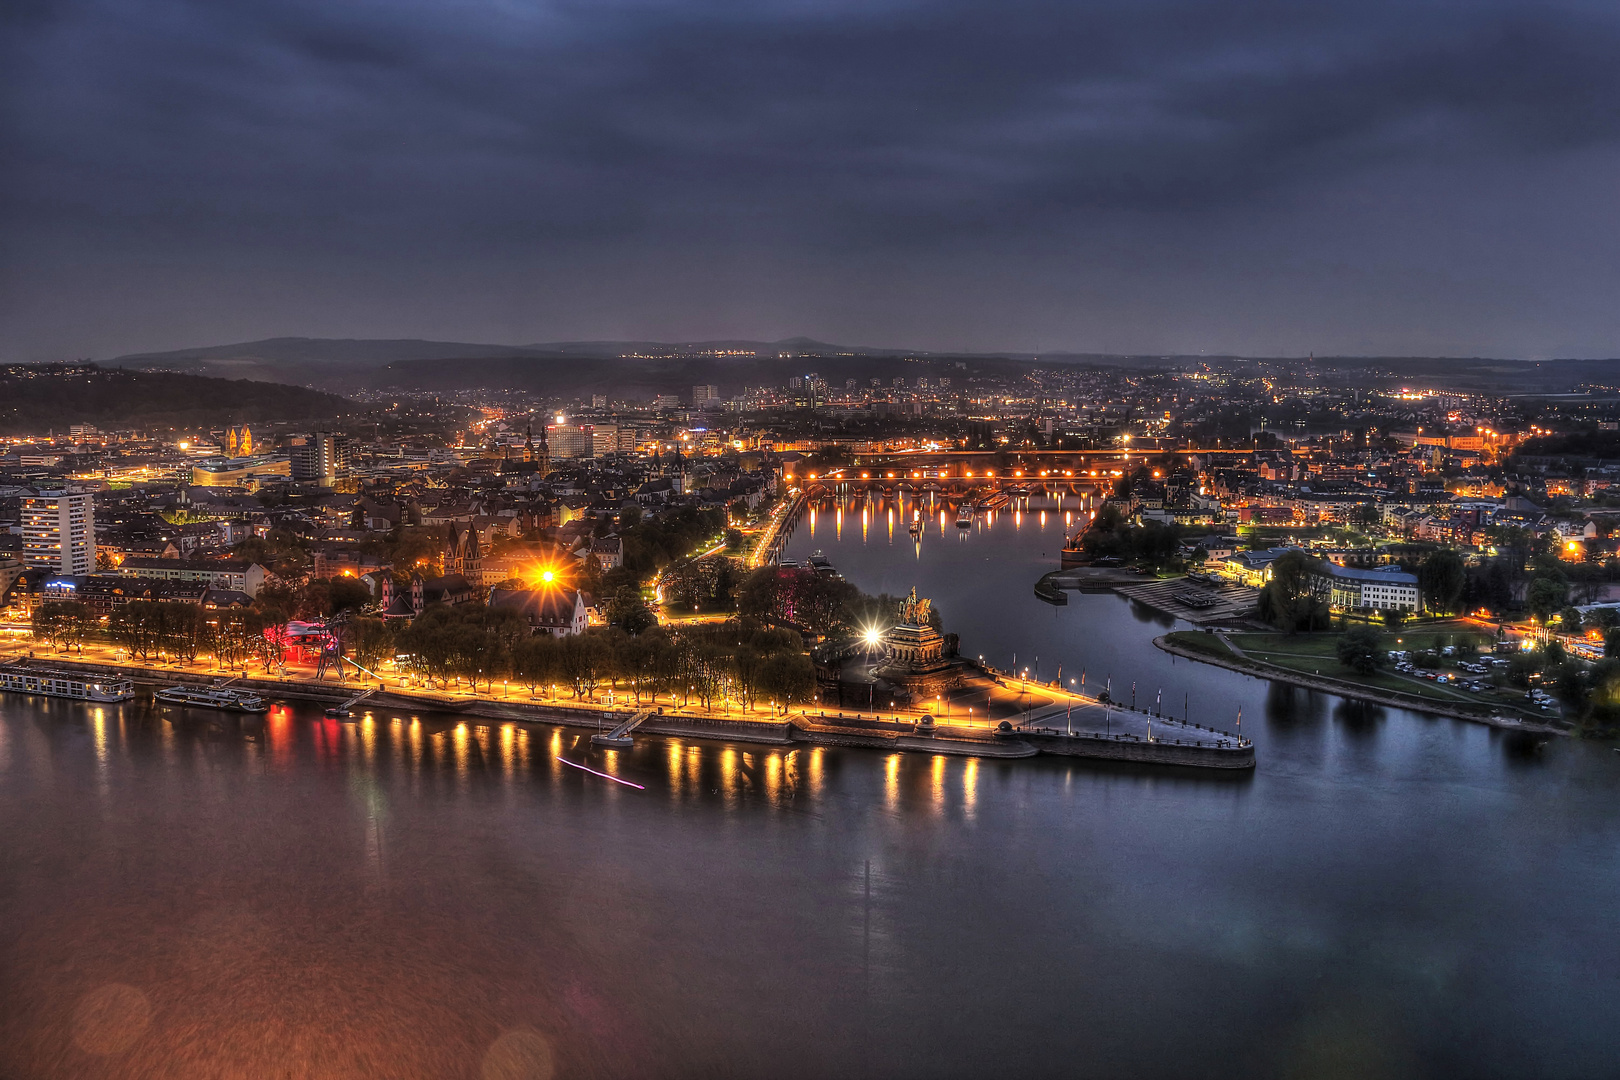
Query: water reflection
[1041, 881]
[1360, 719]
[1294, 706]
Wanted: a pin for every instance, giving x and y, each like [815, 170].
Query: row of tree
[149, 629]
[739, 659]
[1151, 545]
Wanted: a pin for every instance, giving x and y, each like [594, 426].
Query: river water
[1388, 895]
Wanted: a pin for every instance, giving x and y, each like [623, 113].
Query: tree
[628, 611]
[186, 631]
[645, 660]
[1545, 596]
[62, 622]
[789, 677]
[1442, 579]
[1570, 620]
[817, 602]
[584, 661]
[1361, 650]
[230, 633]
[47, 621]
[1287, 601]
[347, 594]
[1603, 618]
[371, 641]
[536, 661]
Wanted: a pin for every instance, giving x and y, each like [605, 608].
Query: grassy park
[1317, 655]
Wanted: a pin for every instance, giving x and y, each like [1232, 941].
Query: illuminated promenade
[1013, 718]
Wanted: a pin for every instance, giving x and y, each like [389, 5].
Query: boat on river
[74, 685]
[213, 697]
[916, 526]
[822, 565]
[964, 517]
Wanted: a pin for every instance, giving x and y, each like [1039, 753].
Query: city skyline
[910, 538]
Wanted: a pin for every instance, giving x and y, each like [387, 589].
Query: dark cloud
[694, 168]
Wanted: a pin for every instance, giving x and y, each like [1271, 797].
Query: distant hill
[632, 369]
[329, 362]
[35, 398]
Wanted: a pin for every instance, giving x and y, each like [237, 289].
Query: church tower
[452, 552]
[472, 560]
[544, 456]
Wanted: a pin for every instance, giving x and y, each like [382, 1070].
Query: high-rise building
[569, 441]
[598, 401]
[323, 459]
[59, 532]
[704, 393]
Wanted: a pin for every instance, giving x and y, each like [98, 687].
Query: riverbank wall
[1388, 698]
[816, 729]
[1208, 755]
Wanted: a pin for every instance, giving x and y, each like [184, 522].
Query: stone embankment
[817, 729]
[1393, 699]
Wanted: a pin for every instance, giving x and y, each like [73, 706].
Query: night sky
[1135, 176]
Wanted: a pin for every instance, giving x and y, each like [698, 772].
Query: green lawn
[1198, 641]
[1383, 680]
[1317, 654]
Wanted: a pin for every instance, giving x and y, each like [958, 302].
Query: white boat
[964, 517]
[66, 684]
[213, 697]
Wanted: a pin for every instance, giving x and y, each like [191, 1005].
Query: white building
[1349, 588]
[237, 575]
[59, 532]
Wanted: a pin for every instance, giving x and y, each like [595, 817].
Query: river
[1388, 895]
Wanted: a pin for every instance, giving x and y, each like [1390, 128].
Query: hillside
[638, 368]
[328, 362]
[37, 398]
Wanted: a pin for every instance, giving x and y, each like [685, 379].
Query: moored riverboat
[65, 684]
[213, 697]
